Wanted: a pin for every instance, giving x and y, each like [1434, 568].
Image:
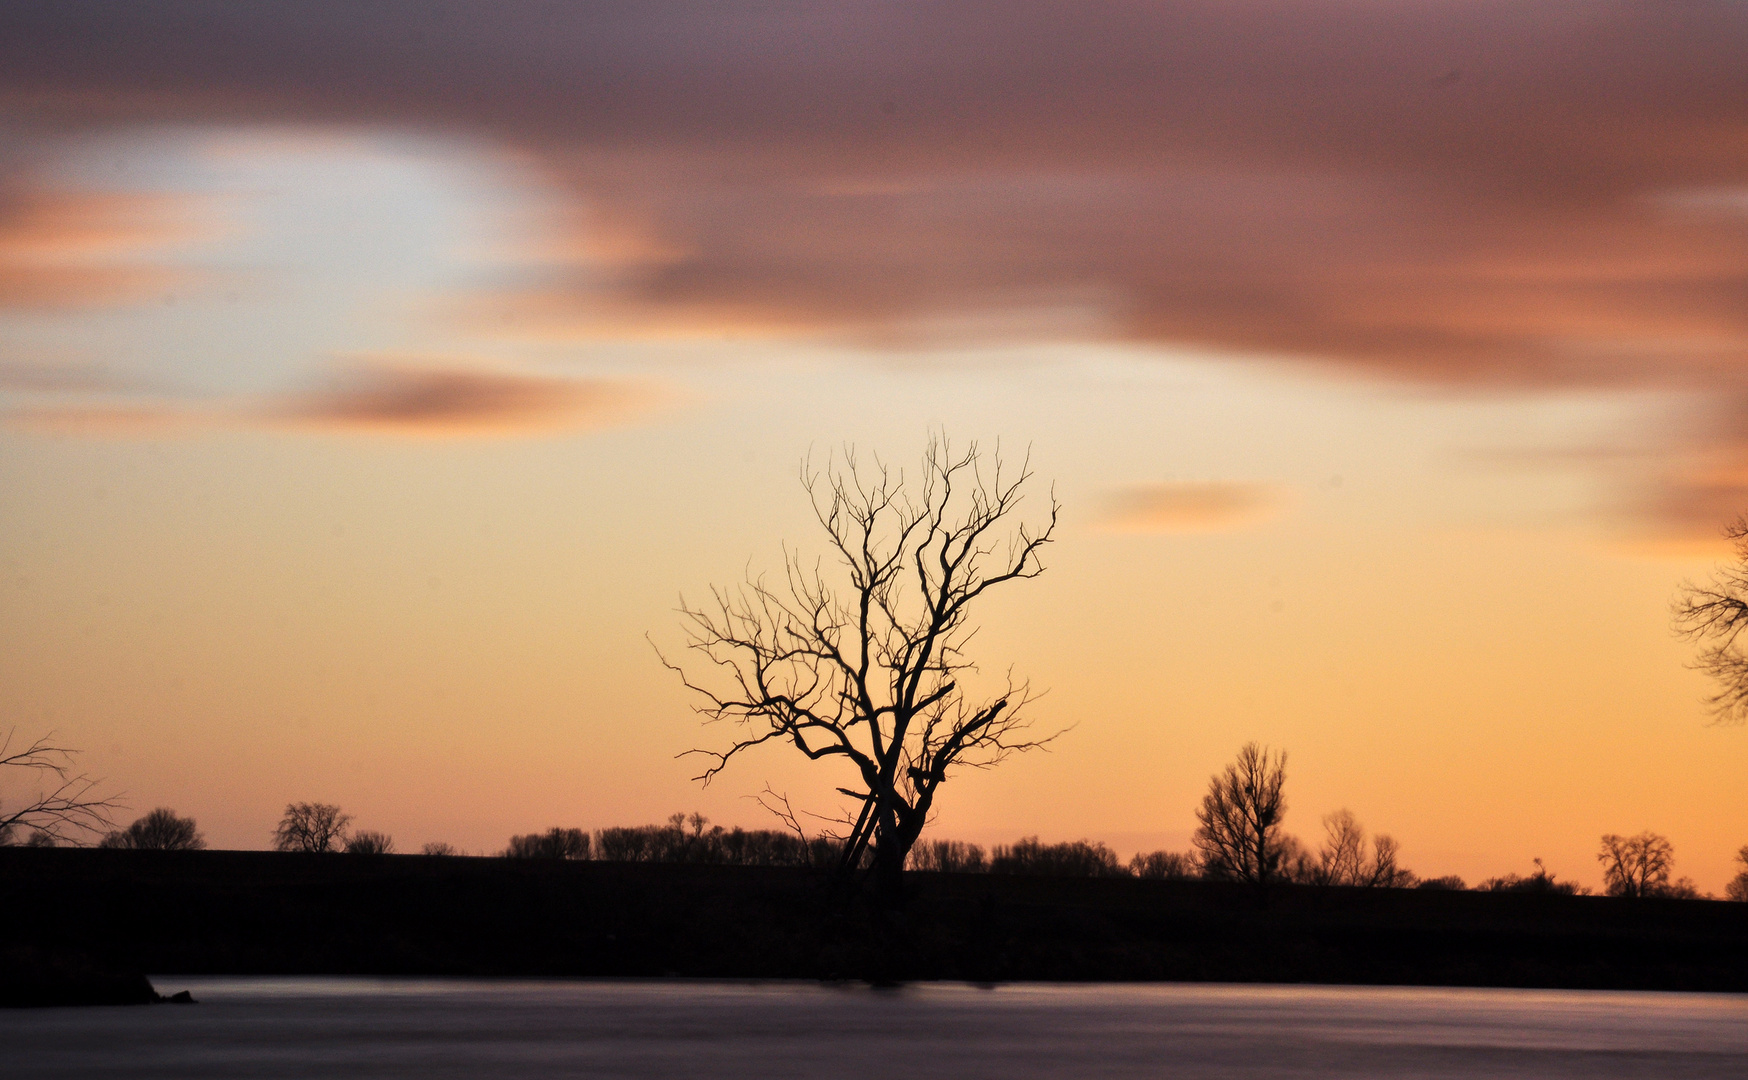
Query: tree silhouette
[160, 830]
[1715, 614]
[1343, 860]
[1737, 888]
[62, 807]
[311, 827]
[1240, 838]
[1636, 865]
[866, 663]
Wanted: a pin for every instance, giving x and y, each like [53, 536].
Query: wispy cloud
[68, 250]
[59, 377]
[1189, 507]
[374, 398]
[1455, 193]
[455, 401]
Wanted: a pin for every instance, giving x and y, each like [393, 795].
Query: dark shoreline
[264, 913]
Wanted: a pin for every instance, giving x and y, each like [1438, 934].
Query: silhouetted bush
[438, 847]
[768, 847]
[684, 839]
[1450, 883]
[556, 843]
[1165, 866]
[1682, 889]
[1079, 858]
[370, 843]
[948, 856]
[160, 830]
[1539, 882]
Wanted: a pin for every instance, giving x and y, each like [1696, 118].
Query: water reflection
[441, 1028]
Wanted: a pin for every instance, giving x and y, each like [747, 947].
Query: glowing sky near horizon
[352, 442]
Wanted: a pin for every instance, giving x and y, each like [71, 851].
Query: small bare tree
[63, 805]
[1343, 860]
[311, 827]
[1385, 872]
[1636, 865]
[866, 663]
[160, 830]
[1714, 615]
[1240, 836]
[1737, 888]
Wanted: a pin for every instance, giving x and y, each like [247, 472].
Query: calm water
[427, 1028]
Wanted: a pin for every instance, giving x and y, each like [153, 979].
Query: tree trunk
[888, 861]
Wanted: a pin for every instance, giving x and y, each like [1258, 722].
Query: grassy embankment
[235, 912]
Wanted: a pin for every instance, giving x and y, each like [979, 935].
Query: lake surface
[326, 1027]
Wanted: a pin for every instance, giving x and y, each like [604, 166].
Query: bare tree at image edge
[1714, 615]
[864, 664]
[63, 806]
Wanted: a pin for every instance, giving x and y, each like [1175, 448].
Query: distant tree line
[1239, 838]
[684, 839]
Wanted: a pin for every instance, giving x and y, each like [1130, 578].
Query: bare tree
[441, 849]
[1385, 873]
[1737, 888]
[1636, 865]
[1240, 837]
[63, 805]
[311, 827]
[1714, 615]
[160, 830]
[866, 663]
[1343, 859]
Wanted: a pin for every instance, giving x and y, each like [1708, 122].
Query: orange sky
[372, 380]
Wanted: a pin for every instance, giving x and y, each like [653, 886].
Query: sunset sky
[376, 378]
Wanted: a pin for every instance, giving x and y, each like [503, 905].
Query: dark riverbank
[224, 912]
